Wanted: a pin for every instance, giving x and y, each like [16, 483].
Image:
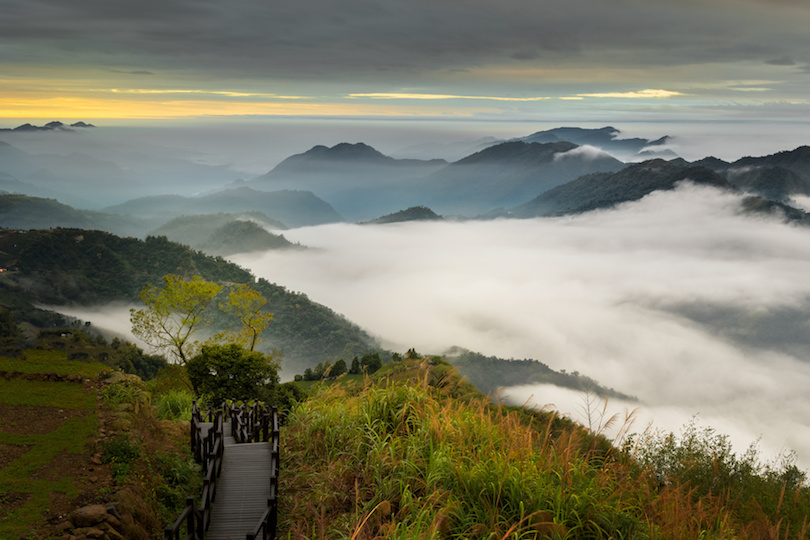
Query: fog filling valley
[677, 299]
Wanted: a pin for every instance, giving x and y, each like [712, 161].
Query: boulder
[87, 516]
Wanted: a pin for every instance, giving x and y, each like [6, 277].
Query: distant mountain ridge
[292, 208]
[357, 180]
[608, 139]
[26, 212]
[224, 234]
[50, 126]
[603, 190]
[508, 174]
[414, 213]
[777, 176]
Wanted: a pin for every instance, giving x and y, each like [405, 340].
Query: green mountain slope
[605, 190]
[24, 212]
[224, 234]
[79, 267]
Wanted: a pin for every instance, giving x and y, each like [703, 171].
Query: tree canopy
[232, 372]
[173, 314]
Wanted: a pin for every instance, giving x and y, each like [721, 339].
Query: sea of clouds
[678, 299]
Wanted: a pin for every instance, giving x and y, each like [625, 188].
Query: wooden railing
[248, 424]
[266, 527]
[208, 450]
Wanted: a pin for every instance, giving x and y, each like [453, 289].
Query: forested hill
[80, 267]
[489, 373]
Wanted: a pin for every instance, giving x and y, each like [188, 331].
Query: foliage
[173, 314]
[229, 371]
[170, 378]
[61, 266]
[488, 373]
[82, 346]
[406, 461]
[704, 461]
[181, 475]
[120, 451]
[247, 306]
[338, 369]
[10, 335]
[121, 392]
[174, 405]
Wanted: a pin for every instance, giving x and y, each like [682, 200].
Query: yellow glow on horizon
[641, 94]
[395, 95]
[29, 107]
[145, 91]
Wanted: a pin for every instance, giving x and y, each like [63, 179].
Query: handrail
[266, 527]
[209, 451]
[253, 423]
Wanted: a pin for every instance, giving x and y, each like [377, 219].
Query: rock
[120, 424]
[110, 532]
[64, 526]
[89, 532]
[88, 516]
[133, 530]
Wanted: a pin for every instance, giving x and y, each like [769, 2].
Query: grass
[19, 476]
[174, 405]
[62, 395]
[402, 460]
[51, 361]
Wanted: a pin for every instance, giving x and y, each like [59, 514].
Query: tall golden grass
[403, 460]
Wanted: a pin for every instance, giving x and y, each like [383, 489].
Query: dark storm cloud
[310, 38]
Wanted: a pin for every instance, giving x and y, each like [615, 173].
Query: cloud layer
[676, 298]
[257, 57]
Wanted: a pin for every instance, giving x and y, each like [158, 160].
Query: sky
[507, 60]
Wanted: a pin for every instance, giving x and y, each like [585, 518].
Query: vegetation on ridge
[405, 459]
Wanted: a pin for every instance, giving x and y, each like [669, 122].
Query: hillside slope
[73, 266]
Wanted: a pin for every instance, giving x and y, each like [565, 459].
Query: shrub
[174, 405]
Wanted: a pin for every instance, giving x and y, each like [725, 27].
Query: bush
[231, 372]
[174, 405]
[120, 452]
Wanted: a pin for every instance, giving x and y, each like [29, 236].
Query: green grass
[62, 395]
[70, 437]
[174, 405]
[50, 361]
[405, 460]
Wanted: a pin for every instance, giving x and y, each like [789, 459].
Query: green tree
[10, 335]
[355, 369]
[339, 368]
[232, 372]
[246, 305]
[371, 363]
[173, 314]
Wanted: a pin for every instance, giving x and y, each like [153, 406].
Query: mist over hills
[292, 208]
[693, 265]
[510, 173]
[602, 190]
[225, 234]
[361, 182]
[777, 176]
[608, 139]
[91, 172]
[356, 179]
[25, 212]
